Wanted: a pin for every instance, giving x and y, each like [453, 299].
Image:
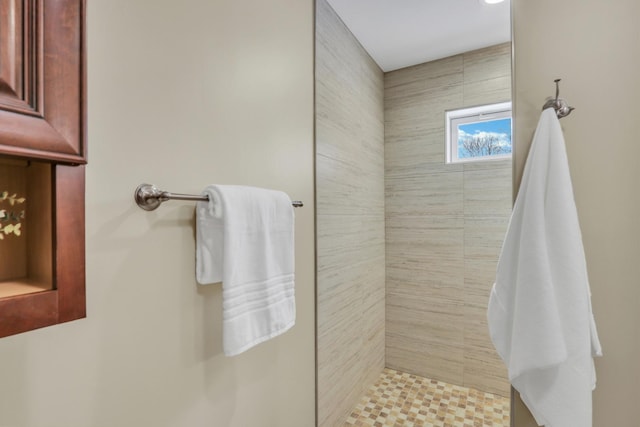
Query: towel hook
[560, 105]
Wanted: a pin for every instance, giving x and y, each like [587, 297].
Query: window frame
[476, 114]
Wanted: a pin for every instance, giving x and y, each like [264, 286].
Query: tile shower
[407, 246]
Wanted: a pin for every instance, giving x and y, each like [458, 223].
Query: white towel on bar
[540, 317]
[244, 239]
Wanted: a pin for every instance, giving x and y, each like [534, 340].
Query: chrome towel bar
[148, 197]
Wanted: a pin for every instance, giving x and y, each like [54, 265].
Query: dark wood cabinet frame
[43, 116]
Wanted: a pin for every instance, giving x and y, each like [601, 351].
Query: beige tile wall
[444, 223]
[350, 218]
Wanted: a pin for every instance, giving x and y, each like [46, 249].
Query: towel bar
[149, 198]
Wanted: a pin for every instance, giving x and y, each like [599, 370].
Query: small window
[478, 133]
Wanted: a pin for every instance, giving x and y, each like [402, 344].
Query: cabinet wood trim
[42, 96]
[67, 301]
[70, 242]
[26, 312]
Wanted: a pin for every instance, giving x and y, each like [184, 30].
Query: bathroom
[183, 94]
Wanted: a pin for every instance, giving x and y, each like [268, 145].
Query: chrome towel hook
[560, 105]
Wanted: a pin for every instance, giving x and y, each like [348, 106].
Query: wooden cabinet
[42, 79]
[42, 155]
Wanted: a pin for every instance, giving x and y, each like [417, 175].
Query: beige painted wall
[444, 223]
[350, 218]
[181, 94]
[593, 47]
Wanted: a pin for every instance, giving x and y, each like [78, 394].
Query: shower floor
[404, 400]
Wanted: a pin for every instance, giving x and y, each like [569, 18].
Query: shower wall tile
[428, 105]
[348, 187]
[425, 295]
[352, 327]
[487, 91]
[487, 75]
[422, 250]
[488, 63]
[339, 369]
[354, 237]
[484, 189]
[436, 194]
[482, 243]
[483, 368]
[419, 341]
[410, 155]
[411, 80]
[349, 218]
[444, 223]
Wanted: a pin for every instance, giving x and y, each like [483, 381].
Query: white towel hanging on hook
[540, 317]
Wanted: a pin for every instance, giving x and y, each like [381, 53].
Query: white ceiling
[400, 33]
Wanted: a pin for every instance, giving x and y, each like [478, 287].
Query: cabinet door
[43, 152]
[41, 80]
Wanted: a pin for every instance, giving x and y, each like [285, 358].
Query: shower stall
[407, 244]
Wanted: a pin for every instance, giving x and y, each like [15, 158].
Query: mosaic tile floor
[404, 400]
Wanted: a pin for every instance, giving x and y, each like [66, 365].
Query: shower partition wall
[350, 218]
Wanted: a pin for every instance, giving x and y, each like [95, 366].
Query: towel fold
[244, 239]
[540, 316]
